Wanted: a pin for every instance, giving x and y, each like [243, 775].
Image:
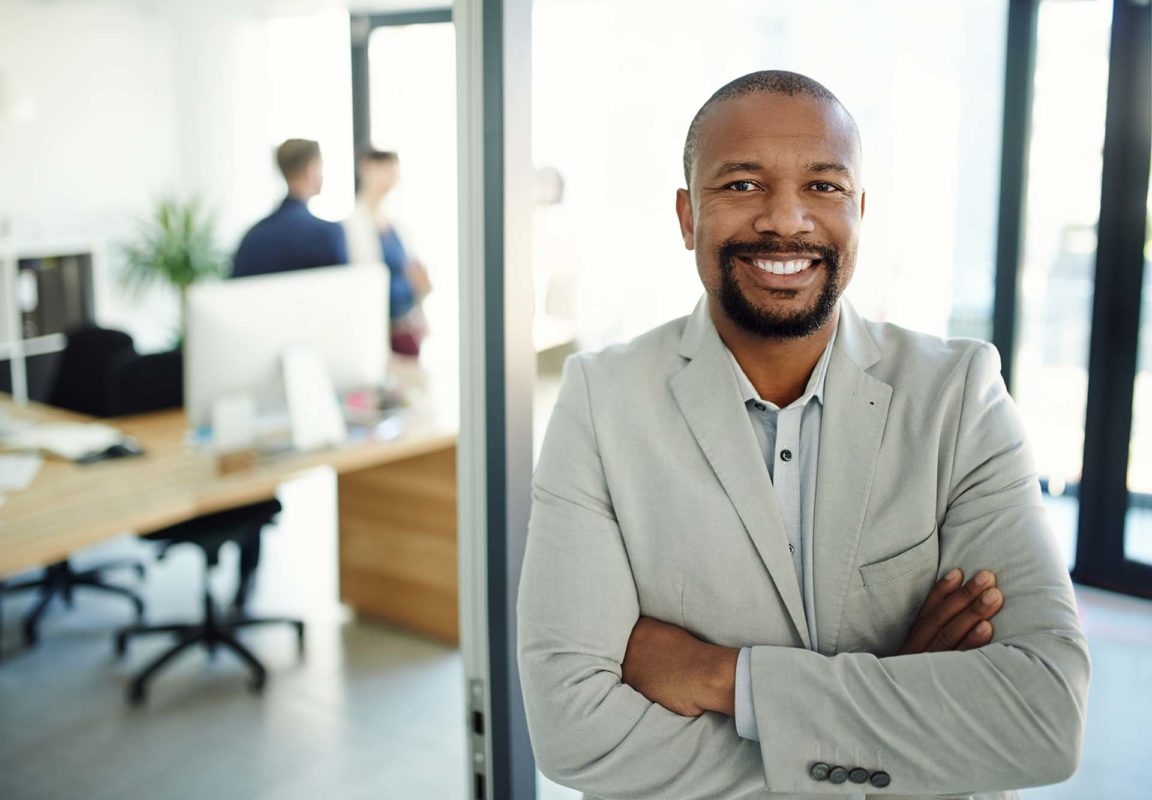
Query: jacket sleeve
[1008, 715]
[576, 608]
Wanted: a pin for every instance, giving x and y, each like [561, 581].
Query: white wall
[108, 105]
[87, 133]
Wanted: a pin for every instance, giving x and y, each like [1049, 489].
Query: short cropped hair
[295, 155]
[376, 156]
[763, 82]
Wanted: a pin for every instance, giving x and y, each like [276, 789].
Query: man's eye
[825, 188]
[741, 186]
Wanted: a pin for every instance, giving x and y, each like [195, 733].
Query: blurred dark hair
[295, 155]
[370, 155]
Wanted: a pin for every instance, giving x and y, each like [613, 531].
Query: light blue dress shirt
[789, 438]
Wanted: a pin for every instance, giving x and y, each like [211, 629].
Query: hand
[418, 278]
[672, 667]
[955, 616]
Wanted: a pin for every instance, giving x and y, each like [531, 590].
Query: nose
[784, 214]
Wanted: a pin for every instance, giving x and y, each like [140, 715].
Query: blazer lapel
[707, 394]
[854, 415]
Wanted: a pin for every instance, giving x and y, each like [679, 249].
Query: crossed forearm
[671, 667]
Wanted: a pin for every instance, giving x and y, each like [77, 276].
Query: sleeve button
[819, 771]
[838, 775]
[858, 775]
[881, 779]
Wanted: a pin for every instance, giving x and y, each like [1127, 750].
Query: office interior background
[998, 137]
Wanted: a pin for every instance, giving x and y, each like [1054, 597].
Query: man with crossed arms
[751, 528]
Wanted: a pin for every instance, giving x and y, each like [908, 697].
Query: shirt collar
[814, 389]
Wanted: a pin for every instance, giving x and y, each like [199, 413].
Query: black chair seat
[210, 532]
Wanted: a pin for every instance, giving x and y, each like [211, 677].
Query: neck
[300, 192]
[372, 200]
[778, 368]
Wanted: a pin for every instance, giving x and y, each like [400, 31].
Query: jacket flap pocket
[901, 564]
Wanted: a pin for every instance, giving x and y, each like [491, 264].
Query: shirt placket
[786, 457]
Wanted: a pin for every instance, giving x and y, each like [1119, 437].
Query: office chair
[139, 384]
[243, 526]
[82, 385]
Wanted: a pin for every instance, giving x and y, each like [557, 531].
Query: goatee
[767, 324]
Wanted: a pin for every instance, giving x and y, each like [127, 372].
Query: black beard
[763, 323]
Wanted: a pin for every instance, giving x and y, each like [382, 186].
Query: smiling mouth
[780, 266]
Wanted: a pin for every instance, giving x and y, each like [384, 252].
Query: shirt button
[786, 455]
[791, 549]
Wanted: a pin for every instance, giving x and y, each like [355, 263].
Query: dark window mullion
[1116, 308]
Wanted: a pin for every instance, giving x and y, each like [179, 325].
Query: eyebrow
[729, 167]
[830, 166]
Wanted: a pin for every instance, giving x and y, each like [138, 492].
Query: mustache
[733, 248]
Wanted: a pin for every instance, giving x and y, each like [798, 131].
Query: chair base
[60, 580]
[212, 633]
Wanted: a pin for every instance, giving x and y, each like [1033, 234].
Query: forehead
[769, 128]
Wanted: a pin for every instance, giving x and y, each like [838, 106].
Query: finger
[955, 630]
[919, 633]
[977, 637]
[960, 599]
[944, 587]
[933, 618]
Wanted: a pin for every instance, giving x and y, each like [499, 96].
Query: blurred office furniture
[398, 556]
[242, 526]
[396, 483]
[84, 379]
[240, 330]
[83, 385]
[51, 292]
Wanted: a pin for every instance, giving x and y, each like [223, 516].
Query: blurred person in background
[372, 237]
[291, 237]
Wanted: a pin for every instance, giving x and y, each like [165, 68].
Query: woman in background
[371, 237]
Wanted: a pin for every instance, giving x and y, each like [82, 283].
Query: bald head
[777, 82]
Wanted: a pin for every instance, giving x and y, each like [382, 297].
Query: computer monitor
[239, 330]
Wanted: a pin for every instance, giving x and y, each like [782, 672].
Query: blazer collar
[855, 412]
[706, 391]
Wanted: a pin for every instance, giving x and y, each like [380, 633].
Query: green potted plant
[175, 246]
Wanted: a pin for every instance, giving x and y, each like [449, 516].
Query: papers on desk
[17, 472]
[70, 440]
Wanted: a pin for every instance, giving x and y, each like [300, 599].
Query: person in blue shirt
[373, 238]
[291, 237]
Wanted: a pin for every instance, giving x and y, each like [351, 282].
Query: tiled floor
[371, 712]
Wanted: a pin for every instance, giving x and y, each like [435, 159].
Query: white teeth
[784, 267]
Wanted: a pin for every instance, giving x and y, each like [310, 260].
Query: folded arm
[577, 607]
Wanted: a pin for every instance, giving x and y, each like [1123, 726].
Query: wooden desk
[398, 555]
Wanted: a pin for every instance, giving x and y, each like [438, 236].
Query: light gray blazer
[651, 498]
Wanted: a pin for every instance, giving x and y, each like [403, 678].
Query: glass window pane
[1056, 283]
[928, 105]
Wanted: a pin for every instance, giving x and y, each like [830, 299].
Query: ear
[687, 222]
[863, 197]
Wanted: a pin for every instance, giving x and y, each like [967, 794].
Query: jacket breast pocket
[905, 563]
[882, 604]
